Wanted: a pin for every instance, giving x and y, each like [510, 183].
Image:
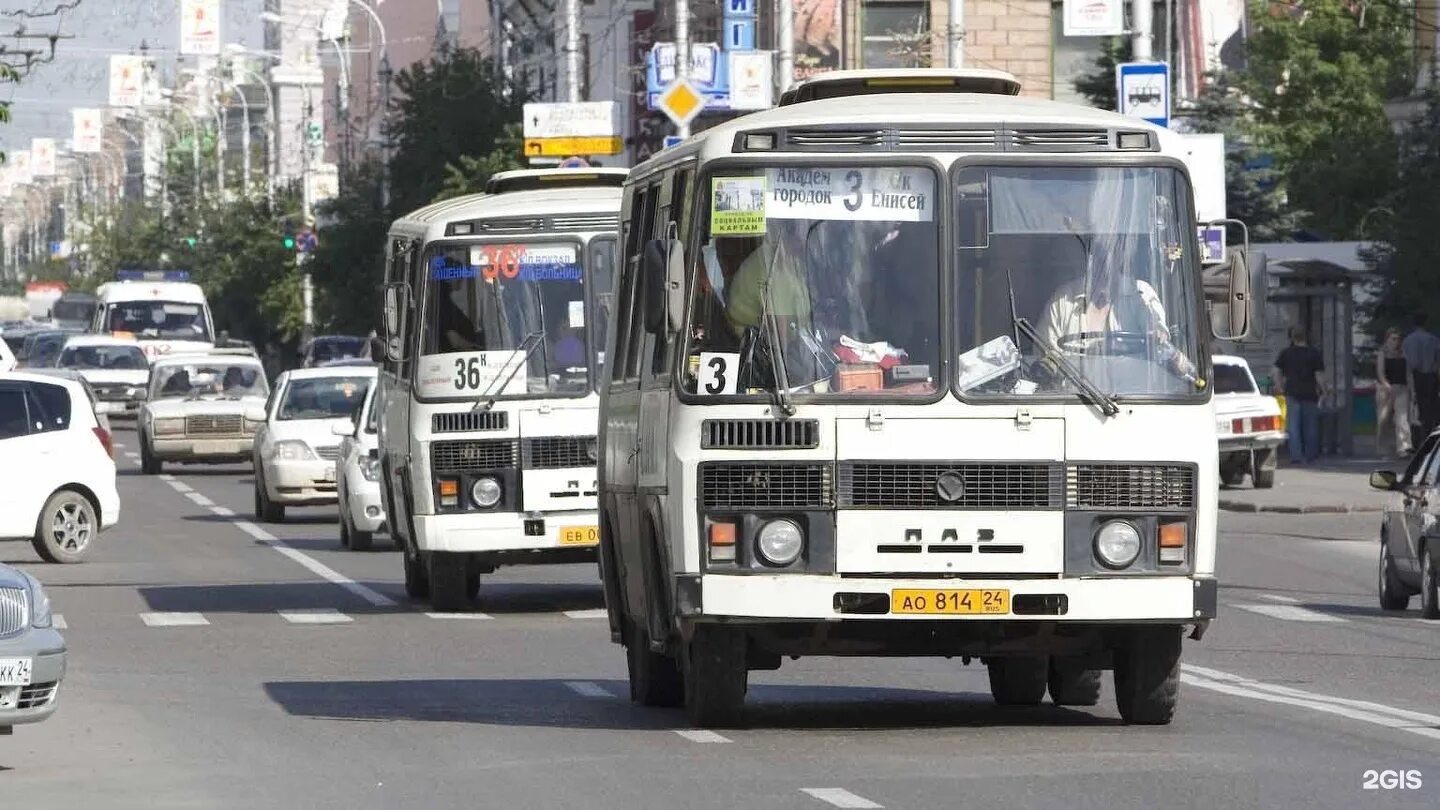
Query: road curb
[1286, 509]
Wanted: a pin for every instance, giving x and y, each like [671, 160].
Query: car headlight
[1117, 544]
[592, 449]
[370, 468]
[164, 426]
[485, 492]
[251, 427]
[40, 615]
[292, 450]
[780, 542]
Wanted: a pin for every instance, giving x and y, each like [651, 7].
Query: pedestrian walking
[1299, 367]
[1422, 356]
[1392, 394]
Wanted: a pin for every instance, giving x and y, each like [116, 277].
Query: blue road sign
[574, 163]
[1143, 90]
[306, 241]
[672, 140]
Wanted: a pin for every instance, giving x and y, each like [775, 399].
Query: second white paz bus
[494, 318]
[919, 374]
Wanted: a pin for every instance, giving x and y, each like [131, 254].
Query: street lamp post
[272, 164]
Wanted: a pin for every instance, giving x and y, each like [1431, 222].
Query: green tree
[1098, 85]
[1408, 241]
[349, 264]
[469, 174]
[452, 106]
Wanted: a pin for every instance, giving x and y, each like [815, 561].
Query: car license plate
[14, 671]
[579, 535]
[212, 448]
[957, 602]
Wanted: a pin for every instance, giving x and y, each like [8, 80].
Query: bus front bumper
[1178, 599]
[507, 531]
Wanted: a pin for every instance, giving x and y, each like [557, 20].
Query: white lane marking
[119, 446]
[460, 615]
[199, 499]
[596, 613]
[166, 477]
[316, 567]
[1362, 710]
[180, 486]
[700, 735]
[1275, 597]
[58, 622]
[222, 511]
[316, 616]
[1290, 613]
[840, 797]
[587, 689]
[133, 456]
[173, 619]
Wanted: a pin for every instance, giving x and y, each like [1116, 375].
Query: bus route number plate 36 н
[986, 601]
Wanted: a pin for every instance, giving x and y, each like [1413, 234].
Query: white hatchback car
[116, 369]
[57, 482]
[1249, 425]
[357, 474]
[296, 447]
[195, 410]
[7, 358]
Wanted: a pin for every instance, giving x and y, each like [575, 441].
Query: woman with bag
[1392, 394]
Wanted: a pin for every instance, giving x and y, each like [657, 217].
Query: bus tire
[417, 582]
[716, 676]
[448, 582]
[654, 677]
[1147, 676]
[1018, 681]
[1073, 686]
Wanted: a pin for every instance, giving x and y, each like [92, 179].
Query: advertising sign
[89, 129]
[127, 74]
[42, 157]
[817, 37]
[200, 27]
[1094, 18]
[752, 82]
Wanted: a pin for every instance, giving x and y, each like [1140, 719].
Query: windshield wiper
[1055, 358]
[487, 400]
[780, 388]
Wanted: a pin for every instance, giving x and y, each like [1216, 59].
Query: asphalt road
[220, 663]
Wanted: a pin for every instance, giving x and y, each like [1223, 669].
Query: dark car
[328, 348]
[1410, 534]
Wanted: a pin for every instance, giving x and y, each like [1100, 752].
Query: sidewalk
[1332, 485]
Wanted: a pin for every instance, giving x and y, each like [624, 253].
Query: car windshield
[830, 273]
[45, 349]
[325, 350]
[323, 398]
[158, 319]
[208, 379]
[505, 319]
[119, 358]
[1099, 260]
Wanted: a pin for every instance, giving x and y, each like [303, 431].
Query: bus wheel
[1073, 686]
[448, 582]
[1018, 681]
[654, 677]
[716, 676]
[1147, 676]
[417, 583]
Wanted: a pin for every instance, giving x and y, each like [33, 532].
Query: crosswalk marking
[588, 689]
[840, 797]
[1275, 597]
[58, 622]
[480, 616]
[316, 616]
[701, 735]
[597, 613]
[1290, 613]
[173, 619]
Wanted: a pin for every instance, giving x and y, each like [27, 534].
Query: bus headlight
[780, 541]
[1117, 544]
[485, 492]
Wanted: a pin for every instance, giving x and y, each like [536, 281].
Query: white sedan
[116, 369]
[195, 410]
[296, 447]
[1249, 425]
[357, 474]
[57, 482]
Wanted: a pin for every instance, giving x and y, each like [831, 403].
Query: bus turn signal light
[722, 541]
[1172, 543]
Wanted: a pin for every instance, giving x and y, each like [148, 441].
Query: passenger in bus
[568, 348]
[457, 328]
[777, 265]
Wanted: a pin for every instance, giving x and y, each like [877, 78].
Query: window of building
[895, 34]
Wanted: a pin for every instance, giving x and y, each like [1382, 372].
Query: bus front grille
[469, 421]
[951, 485]
[556, 452]
[758, 486]
[1118, 485]
[473, 456]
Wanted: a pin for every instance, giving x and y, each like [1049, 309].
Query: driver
[1107, 300]
[781, 255]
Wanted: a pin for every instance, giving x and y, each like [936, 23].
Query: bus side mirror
[675, 282]
[396, 302]
[1238, 306]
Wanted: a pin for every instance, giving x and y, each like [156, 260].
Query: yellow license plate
[579, 535]
[954, 603]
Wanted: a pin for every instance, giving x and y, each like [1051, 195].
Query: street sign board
[585, 119]
[574, 163]
[564, 147]
[681, 102]
[306, 241]
[752, 84]
[709, 73]
[672, 140]
[1212, 244]
[1094, 18]
[1143, 90]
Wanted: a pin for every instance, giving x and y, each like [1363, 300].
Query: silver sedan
[32, 653]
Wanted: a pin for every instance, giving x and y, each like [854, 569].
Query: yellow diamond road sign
[682, 102]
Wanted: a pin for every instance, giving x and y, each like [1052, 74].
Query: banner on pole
[1094, 18]
[127, 75]
[200, 27]
[89, 129]
[42, 157]
[19, 163]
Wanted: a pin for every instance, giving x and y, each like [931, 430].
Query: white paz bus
[920, 374]
[495, 308]
[161, 309]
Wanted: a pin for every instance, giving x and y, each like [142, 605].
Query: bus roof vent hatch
[536, 179]
[844, 83]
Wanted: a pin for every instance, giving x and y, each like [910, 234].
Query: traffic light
[191, 241]
[289, 241]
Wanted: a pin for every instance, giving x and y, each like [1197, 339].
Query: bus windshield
[170, 320]
[1098, 261]
[505, 320]
[829, 273]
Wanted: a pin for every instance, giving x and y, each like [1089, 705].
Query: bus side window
[673, 211]
[625, 307]
[644, 230]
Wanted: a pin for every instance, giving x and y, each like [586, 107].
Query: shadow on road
[550, 703]
[259, 597]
